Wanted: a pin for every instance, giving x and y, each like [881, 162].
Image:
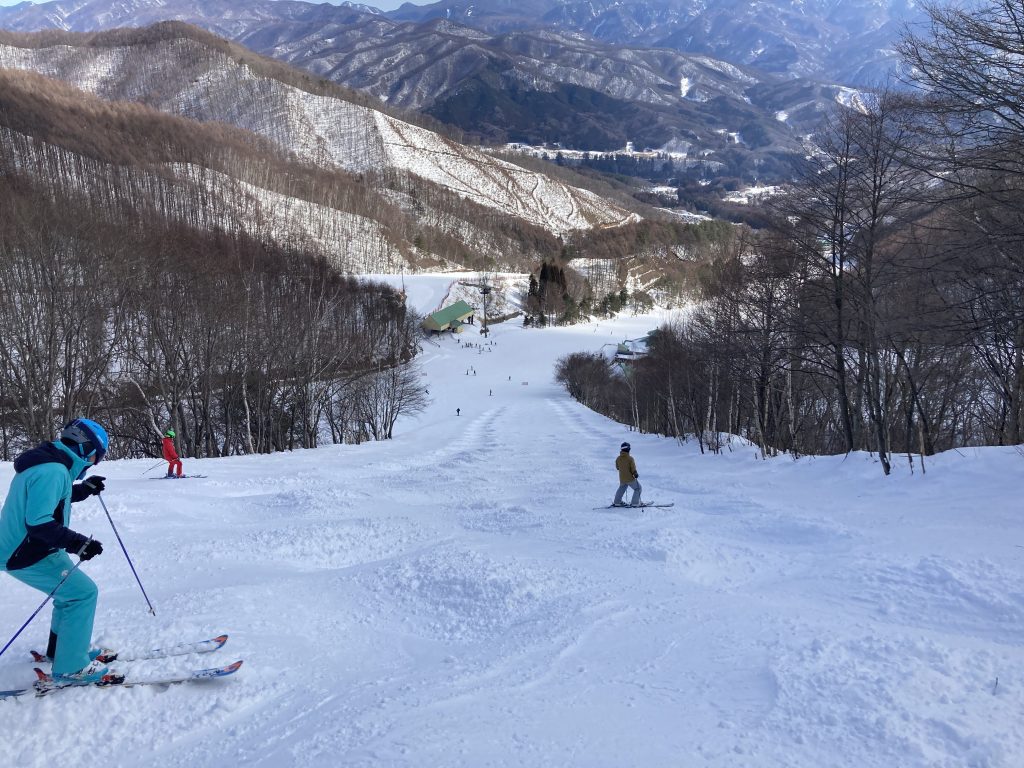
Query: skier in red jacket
[171, 455]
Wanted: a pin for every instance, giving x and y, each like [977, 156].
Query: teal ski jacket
[36, 514]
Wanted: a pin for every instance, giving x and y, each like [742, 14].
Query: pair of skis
[176, 477]
[47, 684]
[644, 505]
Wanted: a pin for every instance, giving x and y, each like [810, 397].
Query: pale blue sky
[385, 5]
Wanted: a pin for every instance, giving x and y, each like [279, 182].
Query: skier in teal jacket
[35, 539]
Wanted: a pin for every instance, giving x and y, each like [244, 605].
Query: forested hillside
[141, 318]
[883, 307]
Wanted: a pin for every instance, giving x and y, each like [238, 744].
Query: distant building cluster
[551, 151]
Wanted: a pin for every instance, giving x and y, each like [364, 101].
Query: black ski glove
[93, 485]
[90, 549]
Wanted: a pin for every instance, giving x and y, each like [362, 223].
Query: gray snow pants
[635, 499]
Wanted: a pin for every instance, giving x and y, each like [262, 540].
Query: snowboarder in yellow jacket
[627, 478]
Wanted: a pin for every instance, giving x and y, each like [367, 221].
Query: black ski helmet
[625, 447]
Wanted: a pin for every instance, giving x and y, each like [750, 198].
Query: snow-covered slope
[185, 76]
[450, 598]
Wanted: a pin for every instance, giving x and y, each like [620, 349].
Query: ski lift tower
[485, 290]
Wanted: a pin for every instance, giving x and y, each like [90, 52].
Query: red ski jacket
[169, 453]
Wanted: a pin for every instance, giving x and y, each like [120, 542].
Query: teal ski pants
[74, 607]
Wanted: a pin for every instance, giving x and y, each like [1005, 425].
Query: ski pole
[130, 563]
[37, 610]
[154, 466]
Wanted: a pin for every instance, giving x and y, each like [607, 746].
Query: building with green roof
[451, 318]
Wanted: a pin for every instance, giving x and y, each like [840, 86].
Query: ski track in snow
[450, 598]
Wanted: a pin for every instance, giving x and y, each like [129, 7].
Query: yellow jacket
[627, 468]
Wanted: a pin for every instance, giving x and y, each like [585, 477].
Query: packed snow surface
[451, 597]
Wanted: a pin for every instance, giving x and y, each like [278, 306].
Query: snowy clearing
[450, 598]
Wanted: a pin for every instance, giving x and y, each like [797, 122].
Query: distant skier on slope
[627, 478]
[171, 455]
[34, 531]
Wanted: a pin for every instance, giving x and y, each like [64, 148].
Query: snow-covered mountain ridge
[526, 80]
[847, 42]
[211, 86]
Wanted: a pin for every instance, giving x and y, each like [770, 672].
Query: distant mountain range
[841, 41]
[848, 42]
[733, 104]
